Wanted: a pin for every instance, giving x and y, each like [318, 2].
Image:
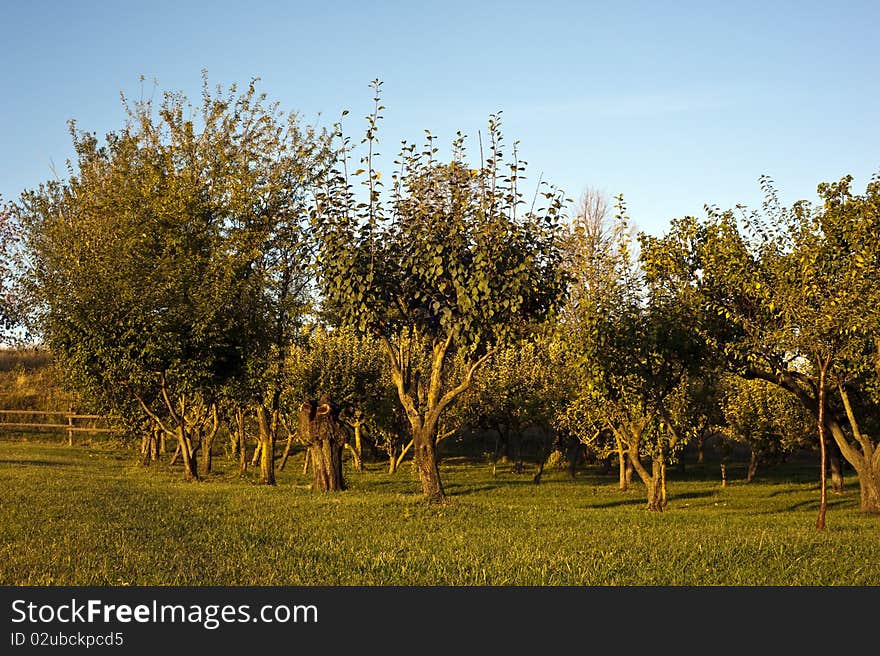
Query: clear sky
[673, 104]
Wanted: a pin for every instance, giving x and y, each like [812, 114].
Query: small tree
[520, 389]
[766, 418]
[453, 264]
[352, 371]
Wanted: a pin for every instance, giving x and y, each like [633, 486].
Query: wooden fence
[70, 419]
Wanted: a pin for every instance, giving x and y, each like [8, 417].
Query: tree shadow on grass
[454, 490]
[34, 463]
[641, 501]
[694, 495]
[832, 504]
[617, 503]
[462, 489]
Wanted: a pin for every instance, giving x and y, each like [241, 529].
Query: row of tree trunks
[862, 453]
[152, 444]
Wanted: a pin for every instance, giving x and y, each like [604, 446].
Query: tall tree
[149, 260]
[454, 263]
[635, 354]
[10, 307]
[791, 297]
[598, 258]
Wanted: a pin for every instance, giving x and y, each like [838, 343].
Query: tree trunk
[155, 448]
[400, 456]
[357, 449]
[190, 469]
[623, 462]
[654, 485]
[867, 469]
[235, 440]
[207, 453]
[145, 449]
[286, 453]
[326, 457]
[835, 464]
[862, 455]
[321, 428]
[425, 456]
[267, 447]
[663, 490]
[392, 462]
[150, 445]
[823, 486]
[653, 481]
[242, 442]
[753, 467]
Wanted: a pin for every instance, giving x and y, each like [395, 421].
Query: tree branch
[153, 415]
[178, 420]
[397, 375]
[450, 396]
[440, 350]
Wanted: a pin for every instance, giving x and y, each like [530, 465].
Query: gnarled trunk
[326, 460]
[325, 436]
[655, 486]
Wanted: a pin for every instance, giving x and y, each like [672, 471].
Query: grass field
[89, 515]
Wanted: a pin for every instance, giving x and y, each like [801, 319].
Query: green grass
[88, 515]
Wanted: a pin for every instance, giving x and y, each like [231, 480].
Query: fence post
[69, 430]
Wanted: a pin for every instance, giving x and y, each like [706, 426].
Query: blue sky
[673, 104]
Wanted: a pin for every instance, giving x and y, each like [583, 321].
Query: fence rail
[69, 427]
